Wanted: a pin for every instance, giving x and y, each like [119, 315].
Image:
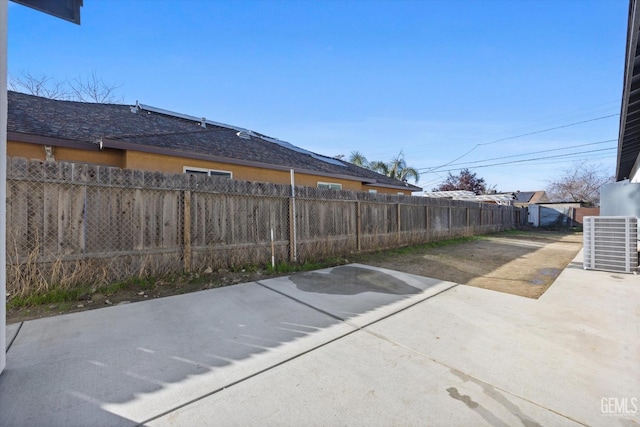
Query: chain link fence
[72, 224]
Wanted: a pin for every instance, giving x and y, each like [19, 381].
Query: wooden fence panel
[98, 239]
[151, 223]
[52, 233]
[171, 220]
[439, 218]
[458, 217]
[21, 228]
[138, 220]
[475, 218]
[71, 222]
[412, 218]
[132, 222]
[379, 218]
[325, 218]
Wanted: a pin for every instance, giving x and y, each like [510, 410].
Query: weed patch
[52, 296]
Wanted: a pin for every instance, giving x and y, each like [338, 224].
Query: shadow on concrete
[128, 364]
[65, 370]
[352, 280]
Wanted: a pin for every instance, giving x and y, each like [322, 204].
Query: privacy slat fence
[70, 223]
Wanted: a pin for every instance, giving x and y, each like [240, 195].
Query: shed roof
[147, 128]
[501, 199]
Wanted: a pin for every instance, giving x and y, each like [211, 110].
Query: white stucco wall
[635, 172]
[3, 182]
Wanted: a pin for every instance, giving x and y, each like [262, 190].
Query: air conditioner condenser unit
[611, 243]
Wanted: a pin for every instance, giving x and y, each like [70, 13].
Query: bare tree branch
[579, 183]
[39, 85]
[89, 89]
[93, 89]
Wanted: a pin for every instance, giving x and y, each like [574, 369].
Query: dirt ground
[523, 263]
[519, 263]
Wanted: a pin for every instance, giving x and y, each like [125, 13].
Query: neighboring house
[148, 138]
[526, 198]
[452, 195]
[517, 198]
[505, 199]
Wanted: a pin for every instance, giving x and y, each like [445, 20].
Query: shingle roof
[92, 122]
[524, 196]
[531, 196]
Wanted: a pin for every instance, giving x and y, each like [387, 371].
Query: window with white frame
[330, 185]
[373, 191]
[208, 172]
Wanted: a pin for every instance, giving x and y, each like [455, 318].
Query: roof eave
[407, 187]
[123, 145]
[54, 142]
[633, 26]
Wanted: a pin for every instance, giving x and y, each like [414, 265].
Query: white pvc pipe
[273, 252]
[295, 232]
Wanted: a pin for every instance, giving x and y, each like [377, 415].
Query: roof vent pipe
[244, 134]
[203, 123]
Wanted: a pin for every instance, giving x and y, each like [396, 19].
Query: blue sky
[434, 79]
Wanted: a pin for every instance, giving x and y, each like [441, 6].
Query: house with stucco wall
[149, 138]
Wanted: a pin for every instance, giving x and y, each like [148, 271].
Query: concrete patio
[353, 345]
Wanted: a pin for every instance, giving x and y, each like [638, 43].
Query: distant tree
[39, 85]
[397, 168]
[93, 89]
[465, 180]
[358, 159]
[579, 183]
[379, 166]
[86, 89]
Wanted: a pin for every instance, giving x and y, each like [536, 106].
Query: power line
[524, 154]
[530, 160]
[523, 135]
[549, 129]
[530, 124]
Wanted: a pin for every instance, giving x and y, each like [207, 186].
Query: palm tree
[358, 159]
[397, 168]
[380, 167]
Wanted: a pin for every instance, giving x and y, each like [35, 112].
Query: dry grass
[36, 274]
